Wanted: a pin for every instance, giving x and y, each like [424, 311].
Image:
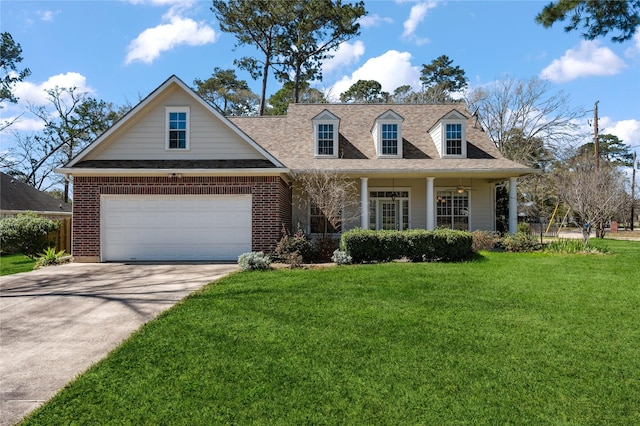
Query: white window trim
[316, 124]
[392, 189]
[187, 145]
[443, 142]
[378, 138]
[448, 189]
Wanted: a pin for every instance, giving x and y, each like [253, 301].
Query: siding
[210, 138]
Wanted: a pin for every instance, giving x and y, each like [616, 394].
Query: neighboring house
[176, 180]
[17, 197]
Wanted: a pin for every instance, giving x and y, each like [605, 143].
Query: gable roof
[171, 81]
[290, 139]
[16, 195]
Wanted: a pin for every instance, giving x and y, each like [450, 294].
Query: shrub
[341, 257]
[27, 233]
[570, 245]
[484, 240]
[255, 260]
[416, 245]
[50, 257]
[524, 228]
[521, 242]
[291, 246]
[324, 247]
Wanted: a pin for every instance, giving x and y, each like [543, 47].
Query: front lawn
[507, 339]
[15, 263]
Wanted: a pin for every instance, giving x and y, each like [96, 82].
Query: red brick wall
[271, 203]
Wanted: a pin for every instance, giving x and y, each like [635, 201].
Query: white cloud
[392, 70]
[374, 20]
[346, 54]
[35, 94]
[626, 130]
[588, 59]
[416, 16]
[153, 41]
[634, 50]
[46, 15]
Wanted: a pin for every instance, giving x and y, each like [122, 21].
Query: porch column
[431, 210]
[364, 203]
[513, 206]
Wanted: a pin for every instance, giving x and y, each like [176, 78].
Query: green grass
[15, 263]
[507, 339]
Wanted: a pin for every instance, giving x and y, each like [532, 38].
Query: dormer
[325, 135]
[387, 135]
[450, 135]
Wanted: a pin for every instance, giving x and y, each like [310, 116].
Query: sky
[121, 50]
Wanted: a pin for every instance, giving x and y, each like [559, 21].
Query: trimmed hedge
[417, 245]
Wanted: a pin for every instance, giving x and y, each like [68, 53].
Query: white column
[431, 210]
[364, 203]
[513, 206]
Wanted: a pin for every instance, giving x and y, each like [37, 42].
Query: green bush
[521, 242]
[524, 228]
[570, 245]
[417, 245]
[27, 233]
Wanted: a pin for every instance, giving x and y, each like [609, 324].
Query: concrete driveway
[58, 321]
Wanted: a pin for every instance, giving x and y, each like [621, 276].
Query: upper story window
[325, 138]
[387, 135]
[453, 139]
[177, 128]
[450, 135]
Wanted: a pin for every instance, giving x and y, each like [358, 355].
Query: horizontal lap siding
[271, 203]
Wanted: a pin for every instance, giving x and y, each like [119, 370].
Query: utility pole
[633, 189]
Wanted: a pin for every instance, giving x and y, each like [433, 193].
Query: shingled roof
[16, 195]
[290, 139]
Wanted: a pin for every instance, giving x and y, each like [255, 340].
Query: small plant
[50, 257]
[255, 260]
[521, 242]
[297, 244]
[571, 246]
[485, 240]
[341, 257]
[324, 247]
[524, 228]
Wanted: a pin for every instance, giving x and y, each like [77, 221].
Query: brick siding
[271, 203]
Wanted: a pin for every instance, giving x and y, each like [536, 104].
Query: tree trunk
[265, 77]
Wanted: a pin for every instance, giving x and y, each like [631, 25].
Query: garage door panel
[175, 227]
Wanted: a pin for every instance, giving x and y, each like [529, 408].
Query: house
[18, 197]
[176, 180]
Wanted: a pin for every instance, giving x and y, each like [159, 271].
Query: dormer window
[450, 135]
[177, 128]
[326, 131]
[387, 135]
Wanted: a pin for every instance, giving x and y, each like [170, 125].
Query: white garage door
[175, 227]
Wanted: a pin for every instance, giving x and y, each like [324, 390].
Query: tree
[596, 17]
[331, 193]
[440, 79]
[314, 28]
[530, 106]
[227, 93]
[279, 101]
[365, 91]
[71, 121]
[610, 149]
[594, 198]
[257, 23]
[10, 57]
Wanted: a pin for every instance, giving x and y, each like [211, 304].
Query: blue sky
[120, 50]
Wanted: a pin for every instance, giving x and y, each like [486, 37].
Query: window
[387, 135]
[452, 210]
[177, 132]
[319, 222]
[389, 139]
[325, 139]
[389, 209]
[453, 139]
